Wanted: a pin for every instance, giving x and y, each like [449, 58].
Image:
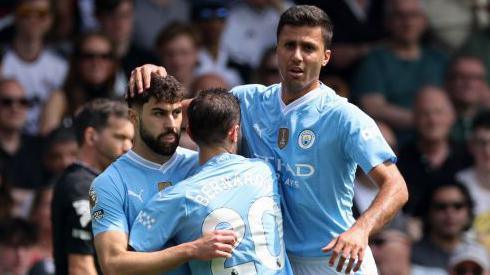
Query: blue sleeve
[158, 222]
[362, 139]
[107, 205]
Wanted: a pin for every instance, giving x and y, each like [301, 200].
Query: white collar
[133, 156]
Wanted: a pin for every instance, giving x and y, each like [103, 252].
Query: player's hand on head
[349, 248]
[214, 244]
[141, 77]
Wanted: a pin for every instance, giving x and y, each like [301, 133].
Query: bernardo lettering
[213, 189]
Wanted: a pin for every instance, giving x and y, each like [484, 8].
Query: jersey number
[256, 214]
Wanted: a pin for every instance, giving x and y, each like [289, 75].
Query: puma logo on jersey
[138, 196]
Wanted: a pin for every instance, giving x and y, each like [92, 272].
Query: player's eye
[176, 112]
[158, 113]
[309, 48]
[289, 45]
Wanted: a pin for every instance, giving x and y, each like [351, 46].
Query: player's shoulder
[187, 159]
[254, 90]
[260, 165]
[111, 177]
[185, 153]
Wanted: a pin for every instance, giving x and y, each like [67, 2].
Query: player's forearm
[391, 197]
[130, 262]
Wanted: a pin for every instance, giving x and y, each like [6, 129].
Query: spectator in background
[207, 81]
[389, 77]
[93, 74]
[469, 259]
[177, 49]
[432, 157]
[40, 217]
[268, 71]
[103, 133]
[359, 25]
[17, 237]
[451, 21]
[6, 200]
[20, 154]
[116, 19]
[210, 18]
[391, 251]
[28, 61]
[60, 151]
[467, 87]
[246, 42]
[478, 44]
[477, 177]
[447, 215]
[160, 13]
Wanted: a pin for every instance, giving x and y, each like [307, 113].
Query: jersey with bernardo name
[315, 144]
[227, 192]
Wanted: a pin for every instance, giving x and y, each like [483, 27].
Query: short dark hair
[482, 120]
[429, 197]
[211, 115]
[311, 16]
[17, 232]
[166, 89]
[176, 29]
[103, 7]
[96, 114]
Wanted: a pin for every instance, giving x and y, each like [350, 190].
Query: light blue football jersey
[315, 144]
[120, 192]
[227, 192]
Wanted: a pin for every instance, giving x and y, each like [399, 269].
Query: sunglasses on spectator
[89, 55]
[9, 102]
[439, 206]
[377, 241]
[27, 11]
[465, 270]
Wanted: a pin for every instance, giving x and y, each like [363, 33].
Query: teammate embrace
[312, 139]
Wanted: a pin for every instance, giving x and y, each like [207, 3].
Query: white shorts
[316, 266]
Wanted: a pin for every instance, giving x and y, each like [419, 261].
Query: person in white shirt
[477, 178]
[28, 61]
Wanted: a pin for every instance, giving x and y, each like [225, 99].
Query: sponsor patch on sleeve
[97, 215]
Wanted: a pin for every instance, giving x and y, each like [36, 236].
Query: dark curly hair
[166, 89]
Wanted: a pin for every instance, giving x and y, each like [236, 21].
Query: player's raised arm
[115, 258]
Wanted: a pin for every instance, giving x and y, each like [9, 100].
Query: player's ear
[133, 116]
[90, 136]
[326, 57]
[234, 133]
[189, 133]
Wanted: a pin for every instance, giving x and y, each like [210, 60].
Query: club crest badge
[92, 197]
[163, 185]
[283, 137]
[306, 139]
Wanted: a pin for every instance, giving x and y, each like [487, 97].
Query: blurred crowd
[420, 68]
